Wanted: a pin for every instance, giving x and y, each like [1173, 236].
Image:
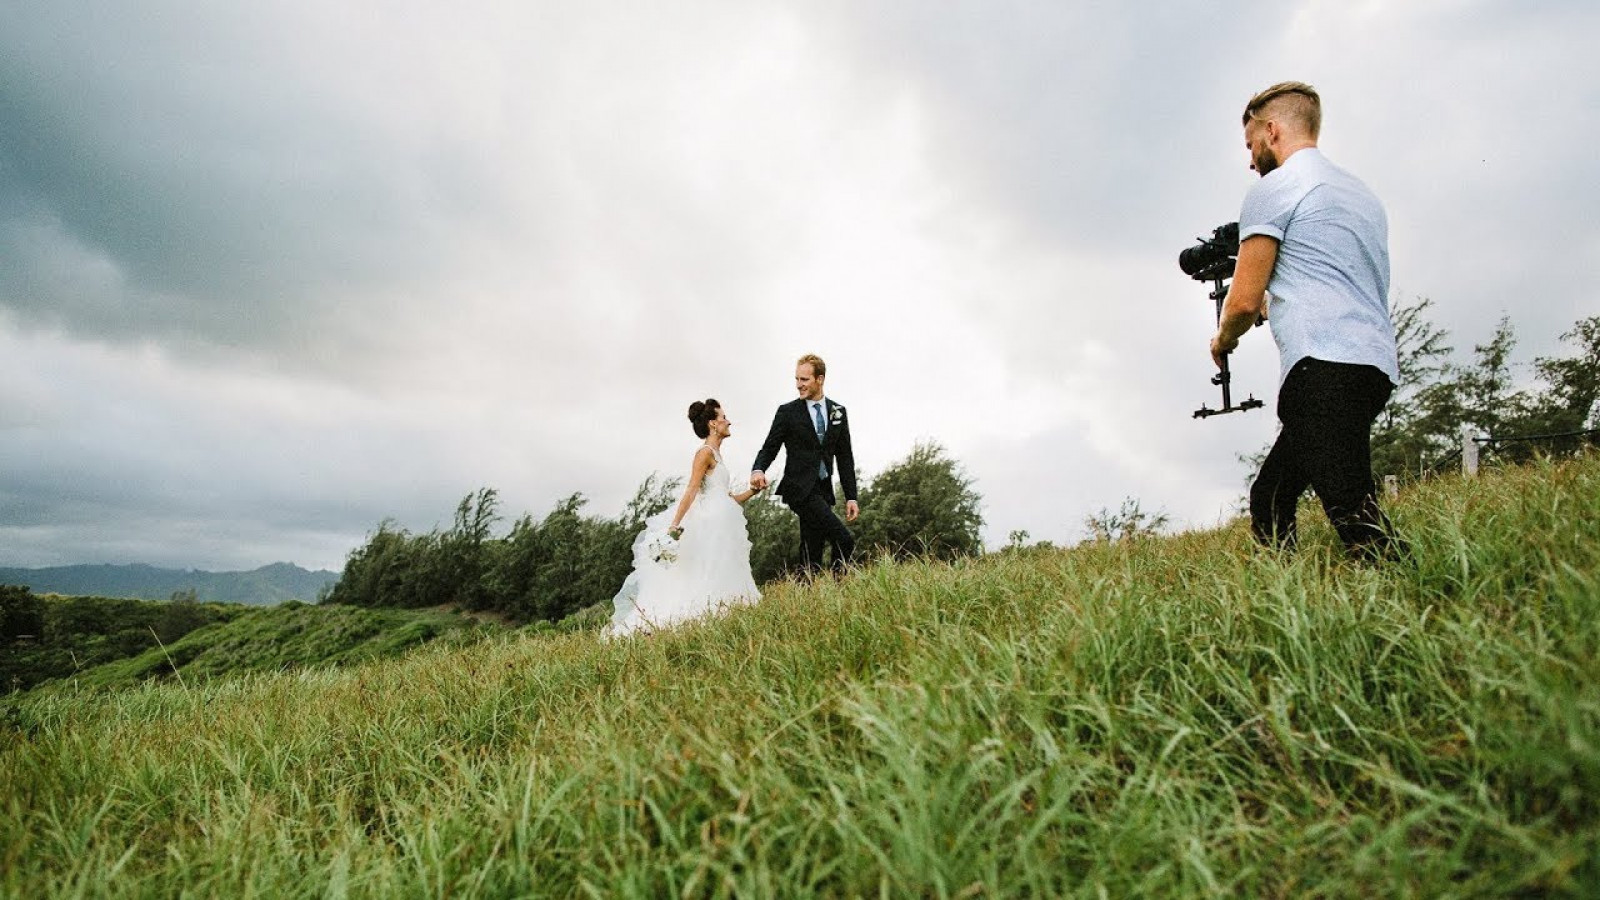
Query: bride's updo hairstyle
[701, 412]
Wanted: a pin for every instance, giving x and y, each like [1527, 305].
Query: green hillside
[49, 637]
[1180, 717]
[292, 635]
[285, 637]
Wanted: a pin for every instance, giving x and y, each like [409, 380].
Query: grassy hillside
[289, 636]
[1166, 718]
[50, 637]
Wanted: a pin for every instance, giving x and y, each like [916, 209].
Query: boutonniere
[837, 416]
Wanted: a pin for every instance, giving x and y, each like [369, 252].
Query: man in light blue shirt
[1317, 239]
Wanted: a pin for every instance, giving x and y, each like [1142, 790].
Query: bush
[547, 570]
[923, 505]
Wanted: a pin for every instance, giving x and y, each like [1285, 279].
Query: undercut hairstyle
[819, 369]
[701, 412]
[1294, 101]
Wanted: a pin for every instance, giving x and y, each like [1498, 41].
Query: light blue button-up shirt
[1330, 285]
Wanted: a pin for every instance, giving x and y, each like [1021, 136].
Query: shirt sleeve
[1268, 205]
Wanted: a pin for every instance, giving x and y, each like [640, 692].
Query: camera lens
[1195, 260]
[1210, 258]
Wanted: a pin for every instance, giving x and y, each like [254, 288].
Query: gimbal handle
[1224, 377]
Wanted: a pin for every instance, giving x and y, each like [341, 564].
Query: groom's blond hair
[819, 369]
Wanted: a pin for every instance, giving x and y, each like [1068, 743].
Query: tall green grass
[1167, 717]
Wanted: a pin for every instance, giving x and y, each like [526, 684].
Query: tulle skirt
[710, 571]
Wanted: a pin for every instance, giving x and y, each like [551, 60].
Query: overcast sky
[273, 273]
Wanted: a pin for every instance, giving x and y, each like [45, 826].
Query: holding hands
[758, 483]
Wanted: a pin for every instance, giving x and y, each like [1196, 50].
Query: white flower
[838, 415]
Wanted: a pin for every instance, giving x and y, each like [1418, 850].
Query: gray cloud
[270, 275]
[1079, 119]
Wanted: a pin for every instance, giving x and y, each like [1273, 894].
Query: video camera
[1213, 260]
[1213, 257]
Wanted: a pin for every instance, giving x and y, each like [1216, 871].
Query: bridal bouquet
[663, 549]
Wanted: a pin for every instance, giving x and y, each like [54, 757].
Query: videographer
[1317, 239]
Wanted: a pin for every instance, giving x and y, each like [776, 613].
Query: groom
[816, 434]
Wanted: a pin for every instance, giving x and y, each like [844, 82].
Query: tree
[1423, 422]
[1128, 523]
[923, 505]
[539, 571]
[1399, 445]
[568, 562]
[21, 613]
[463, 552]
[179, 616]
[1018, 541]
[1571, 401]
[393, 568]
[1483, 393]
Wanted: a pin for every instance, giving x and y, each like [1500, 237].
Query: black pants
[819, 527]
[1327, 410]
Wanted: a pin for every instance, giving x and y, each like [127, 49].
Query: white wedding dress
[712, 568]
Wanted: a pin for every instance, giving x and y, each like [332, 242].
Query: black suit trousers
[820, 527]
[1327, 410]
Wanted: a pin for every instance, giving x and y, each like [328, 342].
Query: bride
[694, 559]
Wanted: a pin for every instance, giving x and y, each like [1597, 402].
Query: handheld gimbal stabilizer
[1212, 260]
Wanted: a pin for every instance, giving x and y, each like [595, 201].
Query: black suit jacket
[794, 431]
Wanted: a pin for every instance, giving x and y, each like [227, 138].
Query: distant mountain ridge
[266, 586]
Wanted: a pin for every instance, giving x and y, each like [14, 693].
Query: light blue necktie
[822, 430]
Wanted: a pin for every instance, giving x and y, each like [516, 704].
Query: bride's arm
[697, 474]
[741, 497]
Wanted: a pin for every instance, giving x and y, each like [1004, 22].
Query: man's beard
[1265, 161]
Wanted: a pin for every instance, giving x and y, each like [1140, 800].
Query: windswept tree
[464, 552]
[540, 571]
[393, 568]
[1571, 401]
[923, 505]
[1484, 394]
